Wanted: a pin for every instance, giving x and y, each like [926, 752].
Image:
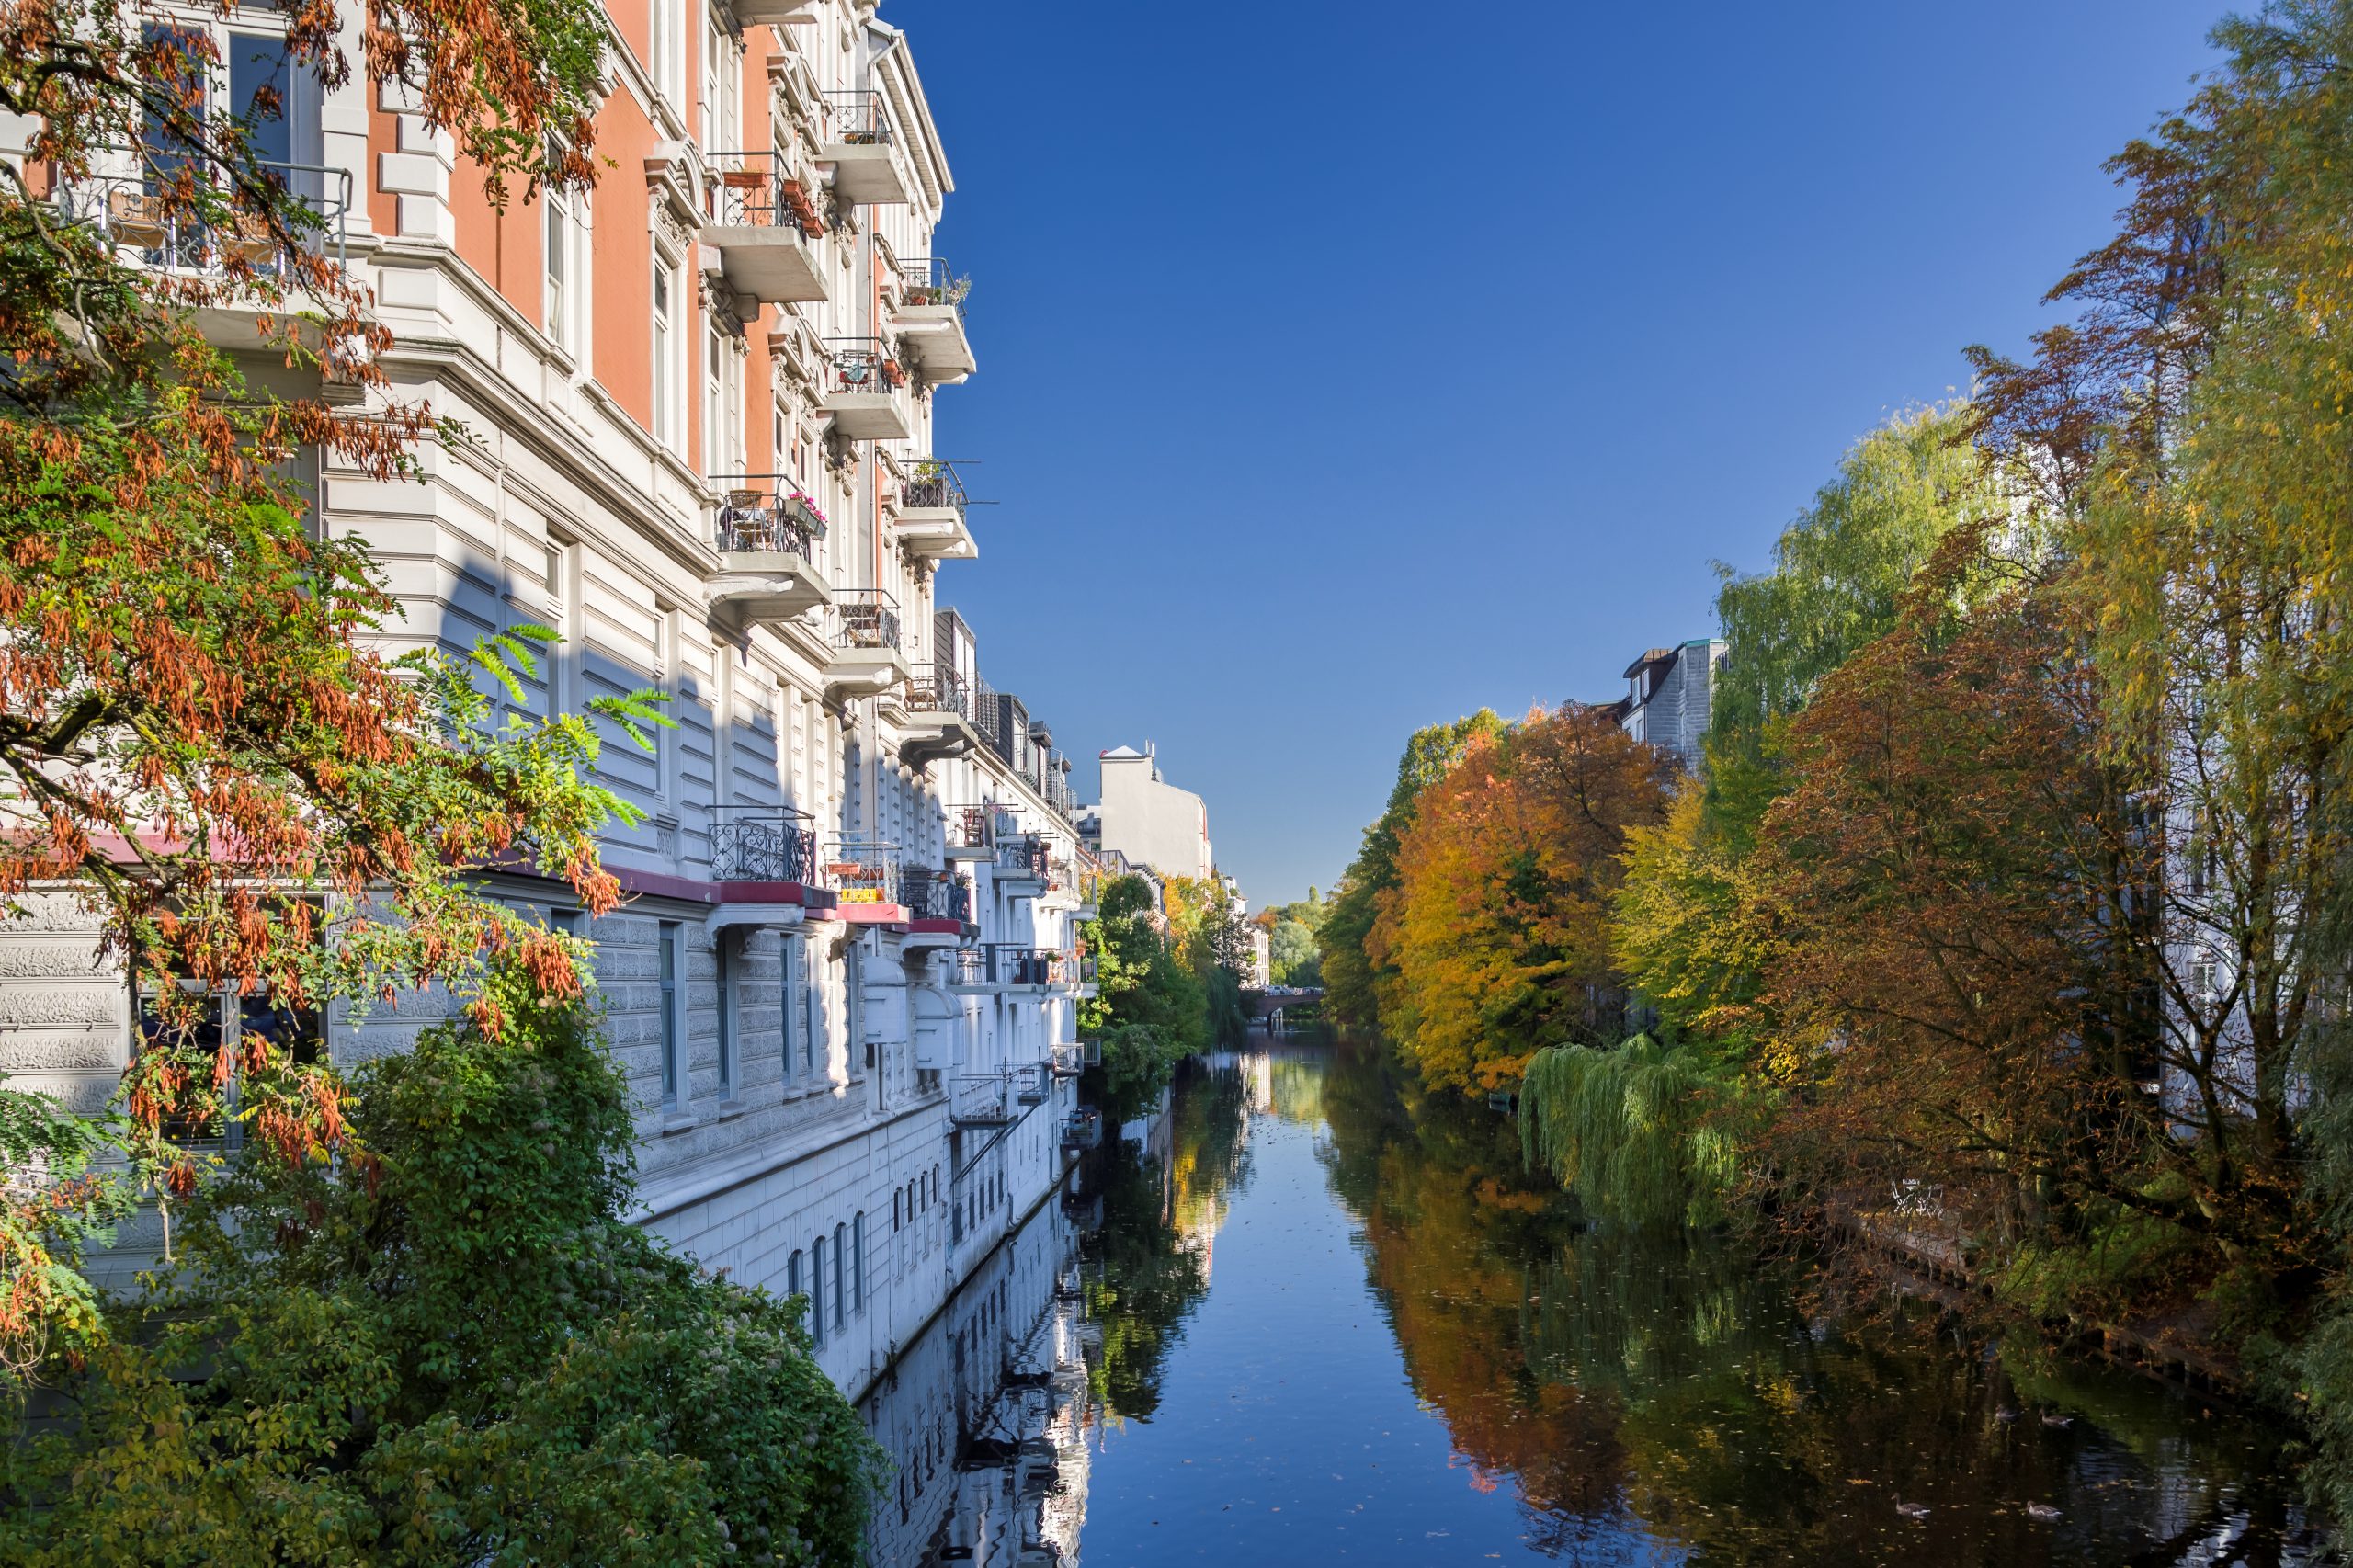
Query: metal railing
[934, 486]
[750, 190]
[985, 708]
[926, 893]
[1067, 1058]
[859, 118]
[979, 1100]
[763, 844]
[866, 618]
[862, 365]
[1083, 1129]
[1022, 854]
[938, 689]
[1039, 966]
[764, 513]
[863, 870]
[135, 214]
[927, 281]
[970, 966]
[1031, 1083]
[967, 827]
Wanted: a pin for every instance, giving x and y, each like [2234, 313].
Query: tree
[192, 735]
[1353, 982]
[1293, 957]
[456, 1347]
[1151, 1010]
[1837, 575]
[1496, 927]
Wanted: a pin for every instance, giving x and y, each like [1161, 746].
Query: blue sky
[1347, 365]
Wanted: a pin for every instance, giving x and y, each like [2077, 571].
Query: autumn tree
[1497, 926]
[194, 741]
[1354, 983]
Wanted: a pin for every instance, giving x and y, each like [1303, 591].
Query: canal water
[1294, 1316]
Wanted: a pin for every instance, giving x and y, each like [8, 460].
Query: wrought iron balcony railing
[1067, 1058]
[859, 118]
[763, 844]
[136, 213]
[934, 485]
[970, 966]
[863, 870]
[766, 512]
[866, 618]
[926, 281]
[752, 190]
[927, 893]
[938, 689]
[862, 365]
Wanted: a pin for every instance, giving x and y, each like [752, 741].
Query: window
[792, 1281]
[662, 62]
[727, 971]
[791, 977]
[669, 971]
[841, 1267]
[558, 302]
[722, 69]
[817, 1290]
[896, 1197]
[858, 1261]
[665, 352]
[812, 1018]
[192, 1019]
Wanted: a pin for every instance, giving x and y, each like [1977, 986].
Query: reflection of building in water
[984, 1415]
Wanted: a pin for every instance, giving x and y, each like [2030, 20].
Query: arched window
[858, 1260]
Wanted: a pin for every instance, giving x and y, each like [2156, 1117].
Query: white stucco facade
[1151, 821]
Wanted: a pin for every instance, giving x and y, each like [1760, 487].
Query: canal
[1295, 1317]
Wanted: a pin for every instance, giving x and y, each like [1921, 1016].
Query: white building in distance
[1150, 820]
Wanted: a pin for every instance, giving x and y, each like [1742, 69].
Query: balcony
[1021, 865]
[864, 391]
[967, 833]
[766, 535]
[859, 140]
[236, 267]
[972, 971]
[928, 894]
[768, 858]
[863, 873]
[760, 223]
[866, 661]
[1083, 1130]
[931, 513]
[930, 317]
[1031, 1083]
[980, 1100]
[938, 723]
[1036, 970]
[1067, 1059]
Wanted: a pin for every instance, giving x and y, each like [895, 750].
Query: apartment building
[1149, 819]
[699, 404]
[1668, 694]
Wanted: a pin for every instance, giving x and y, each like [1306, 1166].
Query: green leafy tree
[452, 1346]
[1293, 957]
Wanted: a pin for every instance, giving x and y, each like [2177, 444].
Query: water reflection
[1297, 1313]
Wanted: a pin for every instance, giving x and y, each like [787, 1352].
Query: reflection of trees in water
[1150, 1256]
[1606, 1372]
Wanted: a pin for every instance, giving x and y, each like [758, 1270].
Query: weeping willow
[1628, 1132]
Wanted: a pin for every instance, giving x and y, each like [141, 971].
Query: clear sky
[1346, 365]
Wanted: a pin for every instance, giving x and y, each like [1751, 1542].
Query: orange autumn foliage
[1498, 926]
